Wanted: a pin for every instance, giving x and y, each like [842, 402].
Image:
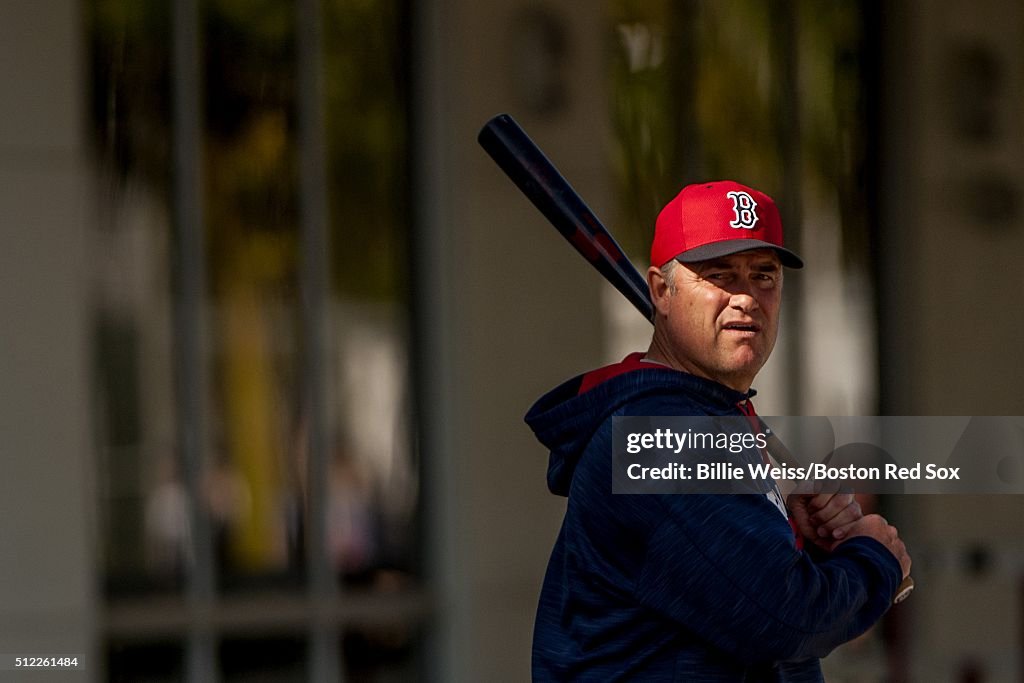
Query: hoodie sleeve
[725, 567]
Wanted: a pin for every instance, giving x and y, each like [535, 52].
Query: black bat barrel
[523, 162]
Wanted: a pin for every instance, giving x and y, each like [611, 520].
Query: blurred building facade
[272, 318]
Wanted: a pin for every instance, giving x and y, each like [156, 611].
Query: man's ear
[660, 290]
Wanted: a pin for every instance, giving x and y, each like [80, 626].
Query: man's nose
[741, 298]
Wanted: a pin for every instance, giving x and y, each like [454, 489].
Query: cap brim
[727, 247]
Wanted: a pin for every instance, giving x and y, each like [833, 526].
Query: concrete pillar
[952, 240]
[47, 500]
[509, 310]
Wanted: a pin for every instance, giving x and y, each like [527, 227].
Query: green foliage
[365, 90]
[129, 102]
[696, 94]
[249, 95]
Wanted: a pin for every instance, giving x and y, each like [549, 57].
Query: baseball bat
[537, 178]
[534, 174]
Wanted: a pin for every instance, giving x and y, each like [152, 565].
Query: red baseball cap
[713, 219]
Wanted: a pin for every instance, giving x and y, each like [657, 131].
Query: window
[251, 346]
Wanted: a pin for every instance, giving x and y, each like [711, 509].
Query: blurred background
[271, 318]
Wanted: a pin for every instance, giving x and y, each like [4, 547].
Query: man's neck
[658, 353]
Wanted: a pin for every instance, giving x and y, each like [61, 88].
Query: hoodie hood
[566, 418]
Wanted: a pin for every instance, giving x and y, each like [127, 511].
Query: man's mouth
[743, 327]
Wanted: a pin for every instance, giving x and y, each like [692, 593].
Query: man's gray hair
[668, 271]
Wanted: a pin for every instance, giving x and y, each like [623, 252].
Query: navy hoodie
[682, 587]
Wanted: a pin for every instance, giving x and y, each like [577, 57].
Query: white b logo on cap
[744, 206]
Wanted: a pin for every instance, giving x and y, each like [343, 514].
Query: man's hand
[824, 518]
[877, 528]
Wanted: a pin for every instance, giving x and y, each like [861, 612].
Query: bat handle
[904, 590]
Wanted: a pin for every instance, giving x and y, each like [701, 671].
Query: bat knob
[904, 590]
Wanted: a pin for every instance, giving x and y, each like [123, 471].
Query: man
[699, 587]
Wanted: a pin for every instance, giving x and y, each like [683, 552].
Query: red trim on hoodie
[633, 361]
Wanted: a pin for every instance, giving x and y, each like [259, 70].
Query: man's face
[721, 316]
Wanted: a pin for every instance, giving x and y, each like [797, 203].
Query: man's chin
[741, 371]
[746, 360]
